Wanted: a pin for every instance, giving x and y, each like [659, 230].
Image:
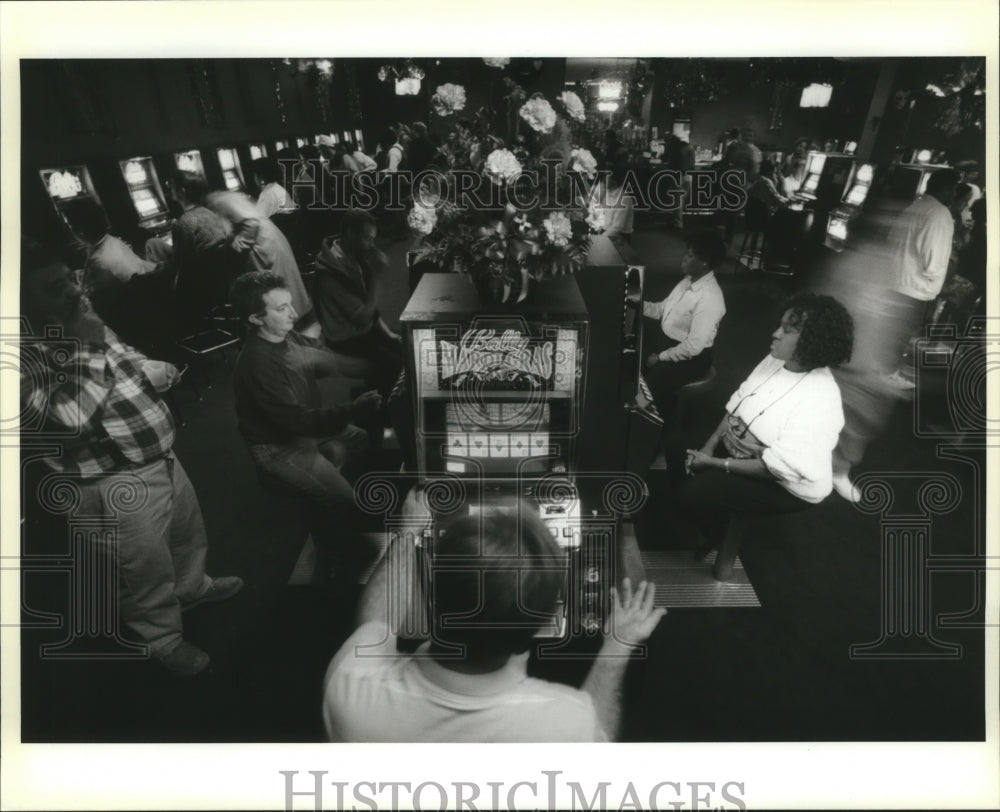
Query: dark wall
[99, 111]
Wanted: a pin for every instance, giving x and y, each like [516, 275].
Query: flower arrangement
[539, 114]
[574, 106]
[513, 228]
[502, 166]
[584, 162]
[448, 98]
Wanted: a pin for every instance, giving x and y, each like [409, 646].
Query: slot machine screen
[190, 162]
[498, 401]
[144, 189]
[229, 162]
[280, 145]
[347, 136]
[301, 142]
[360, 139]
[862, 182]
[66, 184]
[257, 151]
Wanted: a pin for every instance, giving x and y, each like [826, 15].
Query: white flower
[422, 219]
[539, 114]
[501, 165]
[584, 161]
[448, 99]
[496, 61]
[595, 217]
[574, 107]
[558, 228]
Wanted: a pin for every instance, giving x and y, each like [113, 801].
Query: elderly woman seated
[772, 450]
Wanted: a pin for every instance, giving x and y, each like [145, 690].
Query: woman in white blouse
[772, 451]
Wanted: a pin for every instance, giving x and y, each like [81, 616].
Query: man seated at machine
[679, 346]
[349, 269]
[495, 577]
[294, 433]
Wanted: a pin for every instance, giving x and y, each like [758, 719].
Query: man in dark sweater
[292, 431]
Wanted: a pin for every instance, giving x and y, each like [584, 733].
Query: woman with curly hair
[772, 451]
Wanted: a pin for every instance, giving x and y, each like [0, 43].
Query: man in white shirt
[921, 242]
[494, 576]
[679, 331]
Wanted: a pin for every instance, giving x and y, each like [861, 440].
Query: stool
[691, 390]
[752, 249]
[209, 341]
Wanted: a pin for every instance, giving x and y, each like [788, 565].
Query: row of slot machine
[141, 176]
[837, 189]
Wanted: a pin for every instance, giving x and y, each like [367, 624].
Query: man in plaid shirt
[103, 397]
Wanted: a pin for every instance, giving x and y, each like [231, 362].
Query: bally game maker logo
[486, 355]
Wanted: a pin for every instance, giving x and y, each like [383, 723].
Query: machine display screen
[65, 184]
[498, 359]
[143, 186]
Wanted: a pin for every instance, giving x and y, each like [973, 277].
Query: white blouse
[798, 416]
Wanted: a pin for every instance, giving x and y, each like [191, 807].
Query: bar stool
[753, 248]
[691, 391]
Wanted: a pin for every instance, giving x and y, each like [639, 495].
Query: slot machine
[257, 151]
[232, 172]
[359, 139]
[825, 180]
[850, 207]
[190, 161]
[66, 184]
[146, 193]
[280, 145]
[497, 398]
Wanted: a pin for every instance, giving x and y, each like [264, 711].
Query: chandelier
[323, 65]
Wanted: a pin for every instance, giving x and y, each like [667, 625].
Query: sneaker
[846, 489]
[185, 660]
[218, 590]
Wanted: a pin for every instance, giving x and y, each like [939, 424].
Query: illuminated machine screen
[190, 161]
[359, 139]
[229, 162]
[497, 400]
[859, 188]
[65, 184]
[144, 188]
[837, 228]
[257, 151]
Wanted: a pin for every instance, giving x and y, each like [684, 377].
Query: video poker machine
[498, 400]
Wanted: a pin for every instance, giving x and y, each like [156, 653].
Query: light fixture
[607, 106]
[935, 90]
[923, 156]
[816, 95]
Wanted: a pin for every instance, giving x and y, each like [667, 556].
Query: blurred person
[772, 450]
[109, 395]
[262, 246]
[349, 274]
[364, 162]
[469, 682]
[291, 429]
[273, 197]
[686, 323]
[390, 159]
[764, 189]
[421, 151]
[921, 242]
[793, 168]
[617, 207]
[745, 156]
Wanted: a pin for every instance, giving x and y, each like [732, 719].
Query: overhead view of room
[504, 399]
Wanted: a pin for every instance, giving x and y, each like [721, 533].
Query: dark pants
[666, 378]
[711, 498]
[384, 357]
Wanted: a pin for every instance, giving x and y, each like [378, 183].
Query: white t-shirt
[798, 416]
[375, 694]
[272, 199]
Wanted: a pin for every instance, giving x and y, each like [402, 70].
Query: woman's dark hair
[496, 579]
[826, 330]
[267, 170]
[767, 169]
[247, 292]
[708, 246]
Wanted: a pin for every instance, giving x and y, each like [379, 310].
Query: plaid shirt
[97, 398]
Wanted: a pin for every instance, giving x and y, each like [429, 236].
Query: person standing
[108, 395]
